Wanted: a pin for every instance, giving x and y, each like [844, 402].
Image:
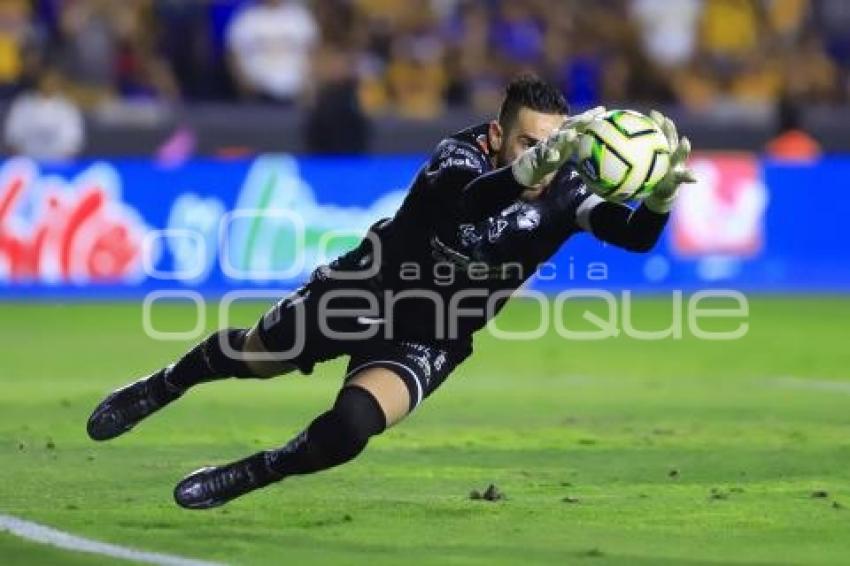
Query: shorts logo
[421, 356]
[424, 364]
[440, 361]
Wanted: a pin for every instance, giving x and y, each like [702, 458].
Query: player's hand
[580, 122]
[540, 162]
[662, 198]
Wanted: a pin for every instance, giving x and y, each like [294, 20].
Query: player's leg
[232, 352]
[384, 384]
[221, 355]
[372, 400]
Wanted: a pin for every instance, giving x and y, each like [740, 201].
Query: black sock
[207, 361]
[333, 438]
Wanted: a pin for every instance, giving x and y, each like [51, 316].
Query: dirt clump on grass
[492, 493]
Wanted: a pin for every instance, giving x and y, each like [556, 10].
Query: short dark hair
[532, 92]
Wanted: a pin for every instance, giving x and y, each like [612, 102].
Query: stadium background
[132, 129]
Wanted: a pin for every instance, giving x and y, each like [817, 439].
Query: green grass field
[680, 451]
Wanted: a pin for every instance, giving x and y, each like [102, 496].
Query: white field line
[826, 385]
[53, 537]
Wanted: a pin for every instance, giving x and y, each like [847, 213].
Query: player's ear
[496, 136]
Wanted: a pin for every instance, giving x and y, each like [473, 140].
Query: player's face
[529, 129]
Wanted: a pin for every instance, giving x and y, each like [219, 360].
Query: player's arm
[640, 229]
[460, 180]
[485, 194]
[488, 194]
[491, 193]
[636, 230]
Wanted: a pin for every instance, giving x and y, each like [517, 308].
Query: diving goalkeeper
[492, 203]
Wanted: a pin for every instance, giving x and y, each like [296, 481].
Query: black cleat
[213, 486]
[124, 408]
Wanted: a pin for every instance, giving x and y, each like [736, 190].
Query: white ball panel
[634, 122]
[614, 169]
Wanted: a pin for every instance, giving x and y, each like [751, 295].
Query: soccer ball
[623, 155]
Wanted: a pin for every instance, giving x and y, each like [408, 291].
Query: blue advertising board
[123, 228]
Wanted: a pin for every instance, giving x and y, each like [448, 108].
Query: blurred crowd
[416, 58]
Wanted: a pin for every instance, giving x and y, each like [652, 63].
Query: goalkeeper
[493, 202]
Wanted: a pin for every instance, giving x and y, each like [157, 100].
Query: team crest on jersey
[528, 218]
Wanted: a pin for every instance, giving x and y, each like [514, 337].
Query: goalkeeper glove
[662, 198]
[538, 163]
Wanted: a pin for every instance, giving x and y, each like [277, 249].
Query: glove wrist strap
[660, 205]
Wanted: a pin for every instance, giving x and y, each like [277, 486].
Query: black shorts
[296, 331]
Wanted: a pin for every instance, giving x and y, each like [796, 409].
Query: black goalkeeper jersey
[463, 240]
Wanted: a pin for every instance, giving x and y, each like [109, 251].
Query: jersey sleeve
[454, 164]
[574, 201]
[461, 177]
[636, 230]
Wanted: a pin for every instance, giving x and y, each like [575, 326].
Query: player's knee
[262, 363]
[224, 349]
[358, 417]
